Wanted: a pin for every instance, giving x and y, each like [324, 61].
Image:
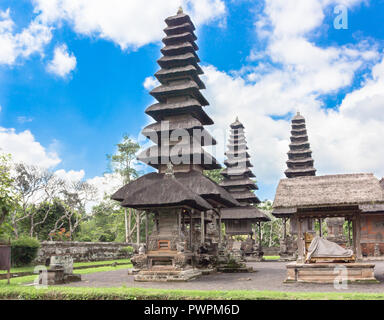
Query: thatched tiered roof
[237, 178]
[300, 162]
[166, 192]
[244, 213]
[179, 111]
[237, 173]
[147, 187]
[179, 133]
[361, 190]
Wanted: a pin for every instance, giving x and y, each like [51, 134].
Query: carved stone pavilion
[185, 203]
[237, 181]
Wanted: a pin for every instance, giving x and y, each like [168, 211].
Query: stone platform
[167, 275]
[329, 272]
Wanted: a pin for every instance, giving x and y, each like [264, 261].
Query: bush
[24, 251]
[127, 251]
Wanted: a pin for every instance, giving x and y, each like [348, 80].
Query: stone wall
[271, 251]
[82, 251]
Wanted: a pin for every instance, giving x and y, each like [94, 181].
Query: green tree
[122, 163]
[106, 223]
[214, 174]
[49, 212]
[7, 192]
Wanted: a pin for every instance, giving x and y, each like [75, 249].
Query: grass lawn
[75, 265]
[18, 290]
[29, 279]
[123, 293]
[271, 257]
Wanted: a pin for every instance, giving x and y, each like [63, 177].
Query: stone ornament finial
[180, 11]
[169, 173]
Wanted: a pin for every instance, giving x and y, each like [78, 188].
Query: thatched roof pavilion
[343, 195]
[341, 191]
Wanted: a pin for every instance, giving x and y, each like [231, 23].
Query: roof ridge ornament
[180, 11]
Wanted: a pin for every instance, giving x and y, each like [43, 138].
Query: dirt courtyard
[268, 276]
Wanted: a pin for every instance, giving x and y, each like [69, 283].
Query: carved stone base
[167, 275]
[57, 276]
[330, 272]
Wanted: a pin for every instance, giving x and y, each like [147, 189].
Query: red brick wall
[372, 232]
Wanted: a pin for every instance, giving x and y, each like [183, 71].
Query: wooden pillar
[259, 229]
[358, 237]
[220, 236]
[285, 229]
[190, 230]
[138, 227]
[179, 222]
[126, 225]
[354, 246]
[320, 227]
[146, 230]
[300, 241]
[202, 227]
[349, 233]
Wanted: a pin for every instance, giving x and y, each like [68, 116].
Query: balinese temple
[185, 203]
[237, 181]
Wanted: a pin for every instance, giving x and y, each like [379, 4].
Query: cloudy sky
[75, 76]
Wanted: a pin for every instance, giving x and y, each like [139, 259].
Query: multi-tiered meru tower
[237, 181]
[179, 133]
[184, 203]
[300, 162]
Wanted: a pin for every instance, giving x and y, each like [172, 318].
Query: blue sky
[257, 60]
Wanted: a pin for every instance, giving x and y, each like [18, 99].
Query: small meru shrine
[238, 182]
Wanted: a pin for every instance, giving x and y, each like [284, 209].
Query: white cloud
[150, 83]
[63, 62]
[29, 41]
[292, 74]
[71, 175]
[24, 148]
[130, 24]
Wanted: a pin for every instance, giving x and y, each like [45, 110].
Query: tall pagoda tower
[184, 204]
[237, 181]
[237, 174]
[178, 132]
[300, 162]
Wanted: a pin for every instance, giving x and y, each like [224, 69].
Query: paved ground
[269, 276]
